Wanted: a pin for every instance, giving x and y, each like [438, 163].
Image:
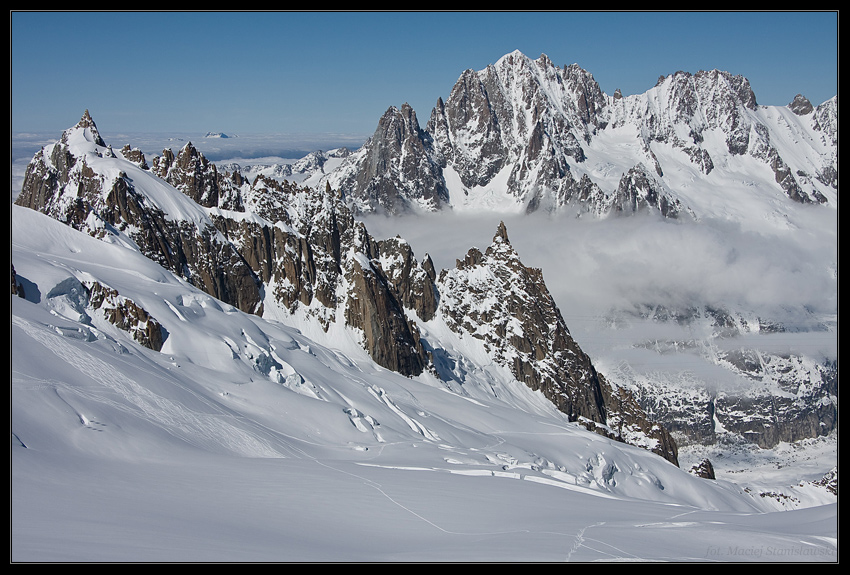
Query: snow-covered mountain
[227, 322]
[297, 253]
[524, 135]
[306, 170]
[172, 314]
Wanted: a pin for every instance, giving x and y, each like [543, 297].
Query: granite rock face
[397, 170]
[522, 130]
[493, 297]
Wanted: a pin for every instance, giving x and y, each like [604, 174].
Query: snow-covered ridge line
[525, 135]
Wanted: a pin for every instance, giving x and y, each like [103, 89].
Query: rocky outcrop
[90, 300]
[373, 307]
[703, 469]
[134, 155]
[126, 315]
[191, 173]
[801, 105]
[413, 281]
[639, 191]
[493, 297]
[17, 288]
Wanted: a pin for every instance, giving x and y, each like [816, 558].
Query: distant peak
[801, 105]
[513, 57]
[86, 121]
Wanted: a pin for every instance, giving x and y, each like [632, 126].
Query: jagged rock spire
[494, 298]
[502, 233]
[88, 126]
[801, 105]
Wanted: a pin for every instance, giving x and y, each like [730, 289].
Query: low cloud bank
[592, 266]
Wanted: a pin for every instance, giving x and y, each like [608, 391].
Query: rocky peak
[702, 101]
[639, 191]
[87, 128]
[396, 170]
[524, 114]
[411, 280]
[134, 155]
[800, 105]
[191, 173]
[589, 100]
[491, 296]
[501, 234]
[198, 178]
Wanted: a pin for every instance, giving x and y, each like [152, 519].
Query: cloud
[593, 265]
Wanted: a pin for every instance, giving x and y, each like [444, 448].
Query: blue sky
[315, 72]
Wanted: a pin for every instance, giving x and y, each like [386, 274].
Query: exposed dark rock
[638, 191]
[17, 289]
[66, 188]
[194, 175]
[493, 297]
[397, 170]
[126, 315]
[703, 469]
[830, 481]
[135, 155]
[801, 106]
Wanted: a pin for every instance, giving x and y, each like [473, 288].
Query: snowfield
[245, 439]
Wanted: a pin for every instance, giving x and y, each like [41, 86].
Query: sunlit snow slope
[243, 440]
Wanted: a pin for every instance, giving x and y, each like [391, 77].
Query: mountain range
[525, 135]
[241, 276]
